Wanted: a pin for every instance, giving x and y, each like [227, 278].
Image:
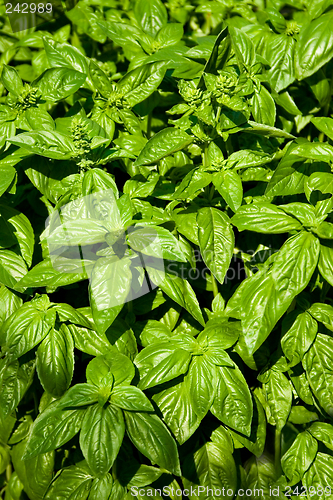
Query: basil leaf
[152, 438]
[315, 46]
[55, 361]
[233, 403]
[101, 436]
[216, 241]
[162, 144]
[58, 83]
[60, 425]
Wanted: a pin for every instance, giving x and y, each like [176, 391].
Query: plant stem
[8, 472]
[277, 458]
[229, 147]
[214, 285]
[204, 155]
[321, 137]
[149, 125]
[218, 113]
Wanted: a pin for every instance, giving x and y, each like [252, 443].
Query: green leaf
[7, 175]
[24, 330]
[229, 185]
[79, 395]
[58, 83]
[156, 241]
[51, 144]
[178, 411]
[21, 229]
[170, 34]
[279, 397]
[264, 218]
[35, 473]
[263, 107]
[255, 443]
[110, 284]
[101, 436]
[233, 403]
[257, 128]
[299, 337]
[219, 334]
[122, 34]
[11, 80]
[55, 361]
[71, 483]
[119, 365]
[324, 125]
[216, 240]
[162, 144]
[243, 48]
[315, 46]
[130, 398]
[177, 289]
[318, 363]
[318, 181]
[192, 183]
[314, 151]
[12, 268]
[281, 55]
[323, 313]
[59, 426]
[152, 438]
[141, 82]
[320, 476]
[101, 487]
[201, 382]
[65, 55]
[160, 366]
[99, 79]
[152, 15]
[213, 467]
[323, 432]
[325, 264]
[10, 301]
[15, 379]
[264, 297]
[38, 119]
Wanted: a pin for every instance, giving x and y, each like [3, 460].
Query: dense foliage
[206, 123]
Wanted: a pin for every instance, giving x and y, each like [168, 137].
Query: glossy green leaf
[317, 363]
[101, 436]
[57, 424]
[216, 240]
[299, 337]
[315, 46]
[162, 144]
[153, 440]
[263, 218]
[233, 403]
[55, 361]
[57, 83]
[214, 467]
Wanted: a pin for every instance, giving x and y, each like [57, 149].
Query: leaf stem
[229, 147]
[149, 119]
[277, 457]
[214, 285]
[204, 155]
[8, 472]
[218, 113]
[321, 137]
